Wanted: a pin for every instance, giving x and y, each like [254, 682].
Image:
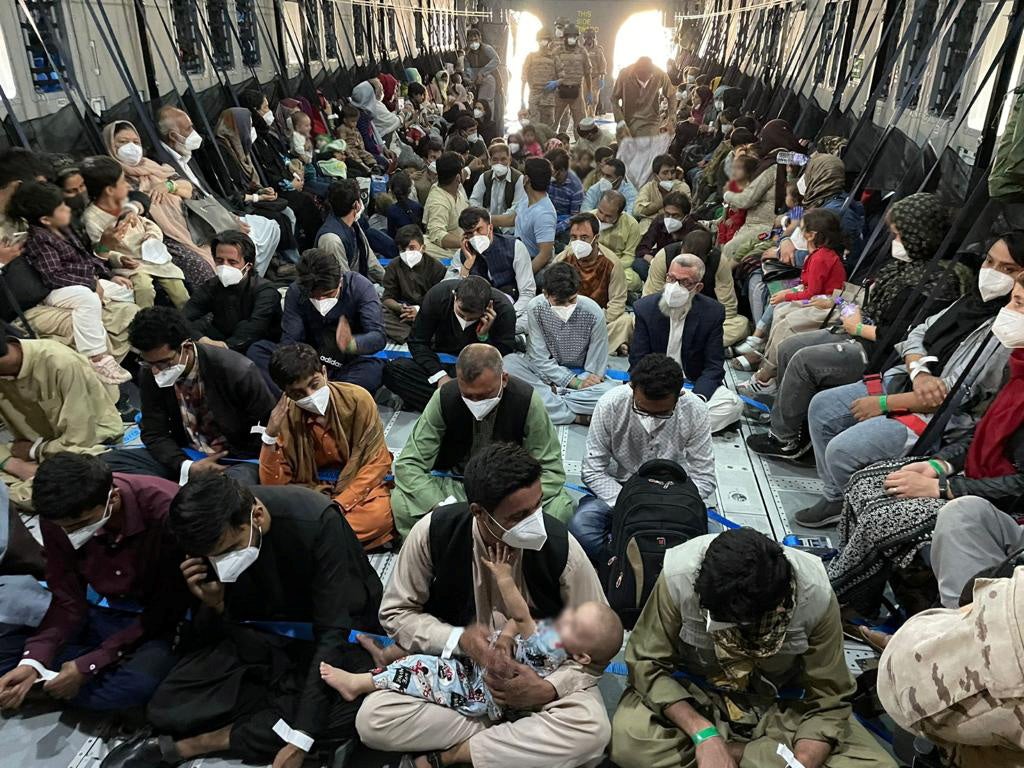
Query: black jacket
[1006, 492]
[239, 315]
[236, 395]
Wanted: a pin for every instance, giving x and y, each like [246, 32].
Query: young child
[302, 143]
[330, 160]
[405, 209]
[349, 131]
[589, 635]
[531, 142]
[742, 173]
[78, 280]
[406, 281]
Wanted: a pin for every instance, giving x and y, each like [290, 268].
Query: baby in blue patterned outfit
[590, 634]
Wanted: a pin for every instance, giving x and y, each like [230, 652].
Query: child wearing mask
[406, 281]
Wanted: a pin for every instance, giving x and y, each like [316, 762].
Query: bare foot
[350, 685]
[381, 656]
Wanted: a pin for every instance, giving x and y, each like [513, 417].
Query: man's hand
[278, 416]
[714, 753]
[196, 572]
[409, 312]
[244, 228]
[590, 380]
[484, 326]
[864, 408]
[21, 469]
[15, 685]
[931, 389]
[289, 756]
[518, 687]
[212, 342]
[124, 282]
[475, 643]
[468, 255]
[443, 380]
[343, 335]
[20, 449]
[911, 485]
[67, 683]
[209, 464]
[9, 253]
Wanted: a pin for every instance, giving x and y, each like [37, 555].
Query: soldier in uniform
[598, 69]
[539, 73]
[559, 42]
[573, 67]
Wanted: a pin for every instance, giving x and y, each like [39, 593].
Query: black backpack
[657, 509]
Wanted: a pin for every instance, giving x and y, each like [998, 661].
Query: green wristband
[859, 330]
[701, 736]
[933, 463]
[883, 403]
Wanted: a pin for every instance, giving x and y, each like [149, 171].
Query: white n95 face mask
[480, 243]
[672, 224]
[798, 239]
[168, 377]
[228, 275]
[992, 284]
[581, 248]
[666, 185]
[81, 537]
[675, 295]
[480, 408]
[317, 402]
[899, 252]
[268, 118]
[604, 225]
[411, 258]
[563, 313]
[528, 533]
[513, 147]
[129, 154]
[500, 170]
[801, 185]
[1009, 328]
[478, 113]
[231, 565]
[432, 167]
[465, 323]
[604, 185]
[323, 306]
[193, 141]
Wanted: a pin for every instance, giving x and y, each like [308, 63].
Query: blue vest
[495, 265]
[355, 248]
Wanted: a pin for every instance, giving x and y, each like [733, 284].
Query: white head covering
[385, 122]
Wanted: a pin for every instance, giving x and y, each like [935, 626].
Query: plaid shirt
[62, 260]
[567, 199]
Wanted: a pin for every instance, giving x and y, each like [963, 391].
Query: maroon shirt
[135, 558]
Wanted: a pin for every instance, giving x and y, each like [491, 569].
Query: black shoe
[821, 515]
[766, 444]
[143, 751]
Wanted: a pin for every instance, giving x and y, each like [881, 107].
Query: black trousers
[250, 680]
[139, 461]
[408, 380]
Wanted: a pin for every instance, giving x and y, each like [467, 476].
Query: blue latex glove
[590, 99]
[552, 84]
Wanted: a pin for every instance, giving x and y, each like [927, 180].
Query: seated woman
[327, 435]
[823, 185]
[166, 192]
[852, 428]
[429, 149]
[486, 126]
[140, 254]
[78, 280]
[376, 124]
[891, 506]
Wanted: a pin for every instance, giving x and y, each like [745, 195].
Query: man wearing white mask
[650, 200]
[270, 554]
[109, 531]
[613, 177]
[620, 232]
[567, 351]
[199, 404]
[406, 282]
[501, 187]
[482, 67]
[327, 435]
[481, 406]
[180, 140]
[440, 601]
[686, 325]
[652, 418]
[237, 307]
[338, 314]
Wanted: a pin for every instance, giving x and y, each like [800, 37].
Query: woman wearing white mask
[327, 435]
[893, 505]
[166, 192]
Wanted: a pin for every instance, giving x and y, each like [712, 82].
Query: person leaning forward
[432, 609]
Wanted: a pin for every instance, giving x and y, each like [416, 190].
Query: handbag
[207, 218]
[773, 269]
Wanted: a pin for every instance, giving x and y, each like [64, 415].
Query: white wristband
[186, 465]
[267, 439]
[296, 738]
[453, 642]
[33, 452]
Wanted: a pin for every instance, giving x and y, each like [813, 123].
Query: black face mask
[78, 203]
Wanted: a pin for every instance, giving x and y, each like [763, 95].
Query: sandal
[874, 639]
[748, 362]
[752, 345]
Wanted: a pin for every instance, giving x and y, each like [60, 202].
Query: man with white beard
[687, 326]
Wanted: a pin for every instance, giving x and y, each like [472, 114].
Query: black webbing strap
[19, 130]
[301, 55]
[807, 51]
[276, 55]
[792, 92]
[206, 44]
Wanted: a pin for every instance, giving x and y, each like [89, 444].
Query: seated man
[700, 243]
[446, 200]
[265, 555]
[454, 313]
[612, 177]
[108, 532]
[687, 326]
[602, 277]
[406, 282]
[620, 233]
[566, 332]
[650, 200]
[671, 224]
[482, 406]
[498, 189]
[652, 418]
[327, 435]
[439, 597]
[792, 637]
[566, 192]
[501, 260]
[237, 307]
[338, 314]
[342, 235]
[196, 397]
[50, 402]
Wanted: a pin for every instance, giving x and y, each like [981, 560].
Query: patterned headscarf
[826, 177]
[833, 145]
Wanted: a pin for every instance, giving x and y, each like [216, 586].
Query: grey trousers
[971, 534]
[809, 363]
[564, 405]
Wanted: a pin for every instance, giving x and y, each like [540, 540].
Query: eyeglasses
[686, 283]
[640, 412]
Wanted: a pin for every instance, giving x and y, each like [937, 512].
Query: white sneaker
[751, 345]
[109, 372]
[753, 384]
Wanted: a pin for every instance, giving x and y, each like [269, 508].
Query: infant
[589, 634]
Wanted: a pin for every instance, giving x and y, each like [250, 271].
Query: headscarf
[704, 100]
[148, 175]
[412, 75]
[775, 137]
[390, 86]
[235, 126]
[282, 117]
[686, 134]
[741, 137]
[986, 455]
[441, 81]
[826, 177]
[832, 145]
[384, 122]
